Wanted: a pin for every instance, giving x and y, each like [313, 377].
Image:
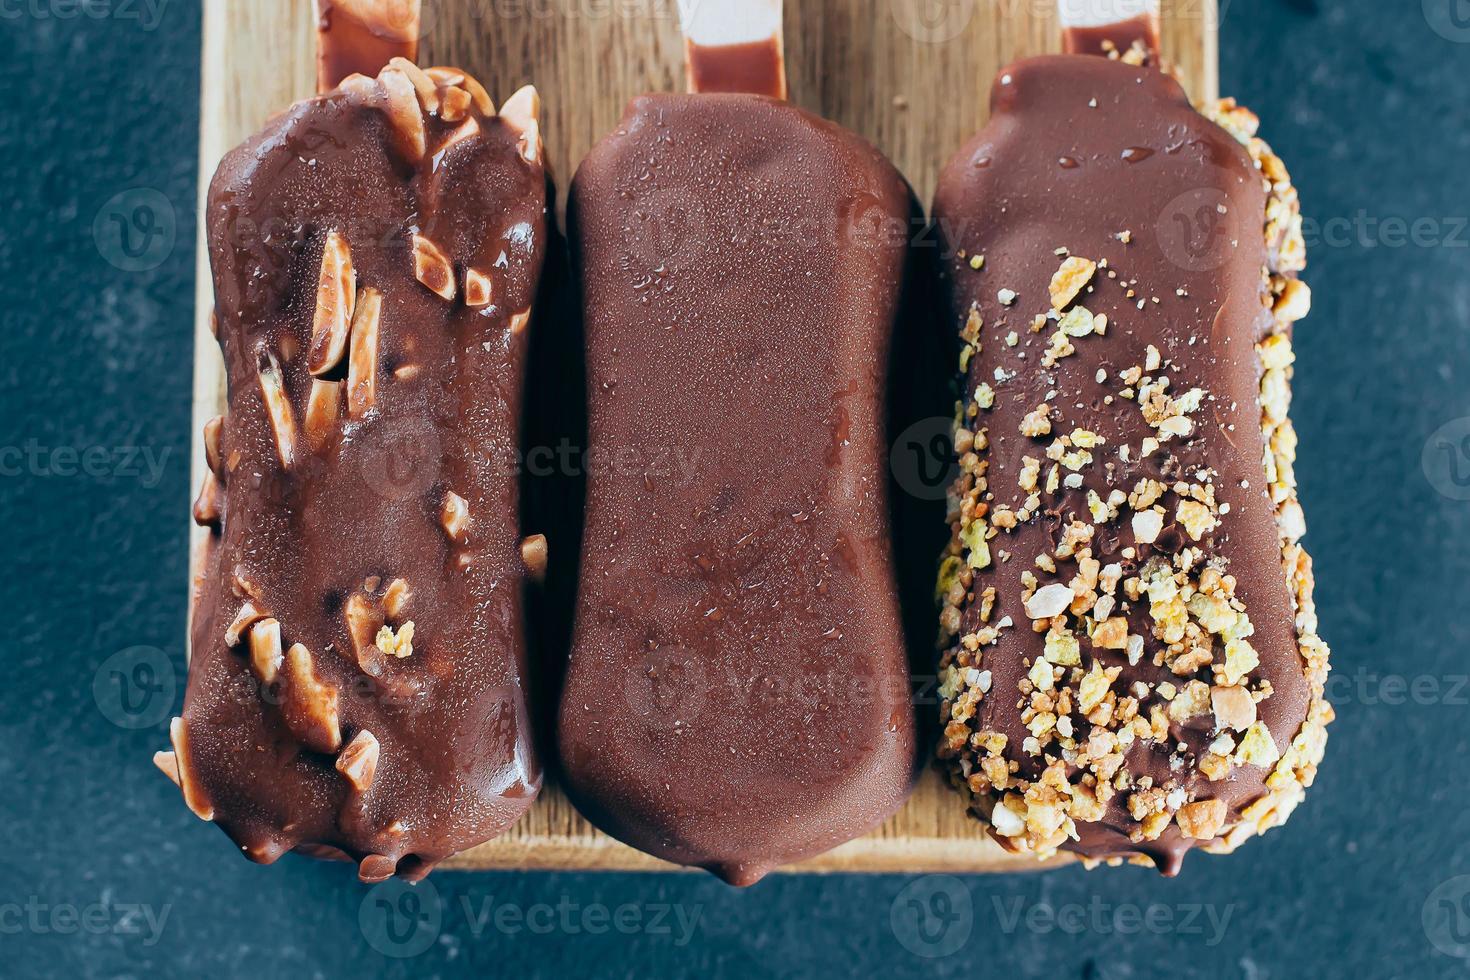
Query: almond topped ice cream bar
[1131, 666]
[357, 682]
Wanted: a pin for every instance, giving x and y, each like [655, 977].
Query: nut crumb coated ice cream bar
[357, 681]
[737, 697]
[1131, 666]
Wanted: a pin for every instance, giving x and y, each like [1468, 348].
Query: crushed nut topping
[396, 643]
[1073, 276]
[1139, 629]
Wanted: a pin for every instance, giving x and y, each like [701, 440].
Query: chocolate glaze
[1079, 150]
[755, 68]
[737, 696]
[361, 36]
[1119, 37]
[362, 509]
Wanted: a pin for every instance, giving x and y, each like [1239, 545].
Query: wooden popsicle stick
[1104, 27]
[362, 36]
[734, 46]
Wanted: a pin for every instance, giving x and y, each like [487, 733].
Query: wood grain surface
[913, 76]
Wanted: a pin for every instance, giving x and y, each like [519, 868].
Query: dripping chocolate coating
[355, 517]
[1109, 162]
[737, 697]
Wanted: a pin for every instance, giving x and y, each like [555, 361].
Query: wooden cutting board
[913, 76]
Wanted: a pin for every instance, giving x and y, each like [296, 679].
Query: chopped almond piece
[309, 704]
[362, 364]
[194, 796]
[477, 289]
[534, 555]
[455, 516]
[396, 598]
[336, 295]
[265, 650]
[322, 410]
[277, 407]
[359, 761]
[244, 619]
[433, 269]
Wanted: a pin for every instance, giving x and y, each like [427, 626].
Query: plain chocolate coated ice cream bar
[358, 664]
[738, 696]
[1131, 664]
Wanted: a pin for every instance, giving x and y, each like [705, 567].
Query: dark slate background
[1368, 103]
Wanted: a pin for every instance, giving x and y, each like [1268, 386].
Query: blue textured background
[1368, 103]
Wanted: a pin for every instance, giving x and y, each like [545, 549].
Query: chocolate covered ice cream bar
[737, 696]
[1131, 664]
[357, 682]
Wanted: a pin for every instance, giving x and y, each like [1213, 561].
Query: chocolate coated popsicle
[737, 697]
[1131, 664]
[356, 686]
